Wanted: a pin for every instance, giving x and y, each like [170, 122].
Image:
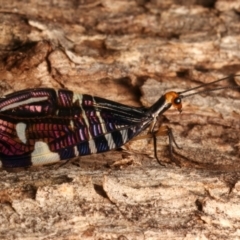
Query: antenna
[208, 84]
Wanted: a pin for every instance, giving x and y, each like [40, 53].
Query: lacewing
[43, 125]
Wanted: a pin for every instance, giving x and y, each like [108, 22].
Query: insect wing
[39, 126]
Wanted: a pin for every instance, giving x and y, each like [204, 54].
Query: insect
[43, 125]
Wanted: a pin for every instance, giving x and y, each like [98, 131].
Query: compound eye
[177, 100]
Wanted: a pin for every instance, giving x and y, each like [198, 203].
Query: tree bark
[130, 52]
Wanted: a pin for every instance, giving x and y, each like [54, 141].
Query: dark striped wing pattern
[44, 125]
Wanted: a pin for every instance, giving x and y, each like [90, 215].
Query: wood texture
[131, 52]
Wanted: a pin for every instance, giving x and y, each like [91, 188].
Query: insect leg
[163, 131]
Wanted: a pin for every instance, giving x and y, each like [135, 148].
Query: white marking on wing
[124, 134]
[27, 101]
[103, 125]
[110, 141]
[108, 136]
[72, 124]
[92, 146]
[21, 131]
[76, 152]
[91, 142]
[42, 154]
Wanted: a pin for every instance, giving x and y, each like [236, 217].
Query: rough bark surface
[131, 52]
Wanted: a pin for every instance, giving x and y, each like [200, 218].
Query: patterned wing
[41, 126]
